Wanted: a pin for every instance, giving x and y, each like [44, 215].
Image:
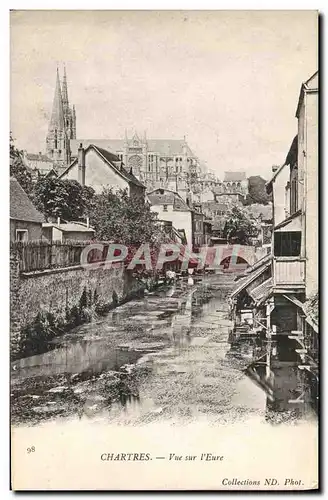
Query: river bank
[163, 357]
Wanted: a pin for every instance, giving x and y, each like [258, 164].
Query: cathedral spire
[57, 115]
[64, 90]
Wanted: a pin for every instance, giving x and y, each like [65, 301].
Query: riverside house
[25, 220]
[99, 168]
[285, 300]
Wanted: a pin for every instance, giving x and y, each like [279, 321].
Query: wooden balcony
[289, 272]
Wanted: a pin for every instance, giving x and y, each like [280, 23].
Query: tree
[256, 191]
[117, 217]
[18, 168]
[240, 226]
[66, 199]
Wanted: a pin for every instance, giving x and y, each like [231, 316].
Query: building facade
[164, 163]
[233, 183]
[99, 169]
[283, 302]
[25, 220]
[171, 207]
[69, 231]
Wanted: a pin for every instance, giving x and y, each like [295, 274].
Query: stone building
[62, 126]
[233, 183]
[165, 163]
[99, 168]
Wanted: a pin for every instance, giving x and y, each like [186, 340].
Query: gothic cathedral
[62, 126]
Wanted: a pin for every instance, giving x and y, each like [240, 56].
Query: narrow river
[167, 356]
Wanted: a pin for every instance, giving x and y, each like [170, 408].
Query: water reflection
[165, 353]
[88, 369]
[274, 365]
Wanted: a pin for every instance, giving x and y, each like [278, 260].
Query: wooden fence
[39, 255]
[42, 255]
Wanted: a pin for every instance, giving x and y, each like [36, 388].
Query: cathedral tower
[62, 126]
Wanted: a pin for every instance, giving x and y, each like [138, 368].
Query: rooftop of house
[218, 224]
[215, 205]
[311, 84]
[291, 157]
[234, 176]
[261, 211]
[218, 192]
[70, 227]
[116, 162]
[165, 147]
[112, 160]
[167, 197]
[38, 157]
[21, 207]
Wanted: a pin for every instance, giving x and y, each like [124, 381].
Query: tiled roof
[113, 161]
[111, 157]
[161, 199]
[38, 157]
[215, 205]
[165, 147]
[261, 292]
[21, 207]
[234, 176]
[263, 261]
[168, 198]
[116, 163]
[250, 277]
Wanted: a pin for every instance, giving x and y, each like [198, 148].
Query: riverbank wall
[45, 303]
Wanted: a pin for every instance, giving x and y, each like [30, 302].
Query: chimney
[58, 221]
[88, 222]
[81, 165]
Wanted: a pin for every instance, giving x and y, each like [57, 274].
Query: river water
[167, 356]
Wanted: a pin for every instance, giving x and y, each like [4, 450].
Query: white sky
[228, 80]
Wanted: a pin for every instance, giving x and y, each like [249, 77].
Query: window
[21, 234]
[164, 208]
[293, 190]
[287, 243]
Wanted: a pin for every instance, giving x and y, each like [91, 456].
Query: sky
[227, 80]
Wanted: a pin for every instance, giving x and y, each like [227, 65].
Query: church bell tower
[62, 126]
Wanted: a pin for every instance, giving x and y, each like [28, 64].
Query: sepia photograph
[164, 248]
